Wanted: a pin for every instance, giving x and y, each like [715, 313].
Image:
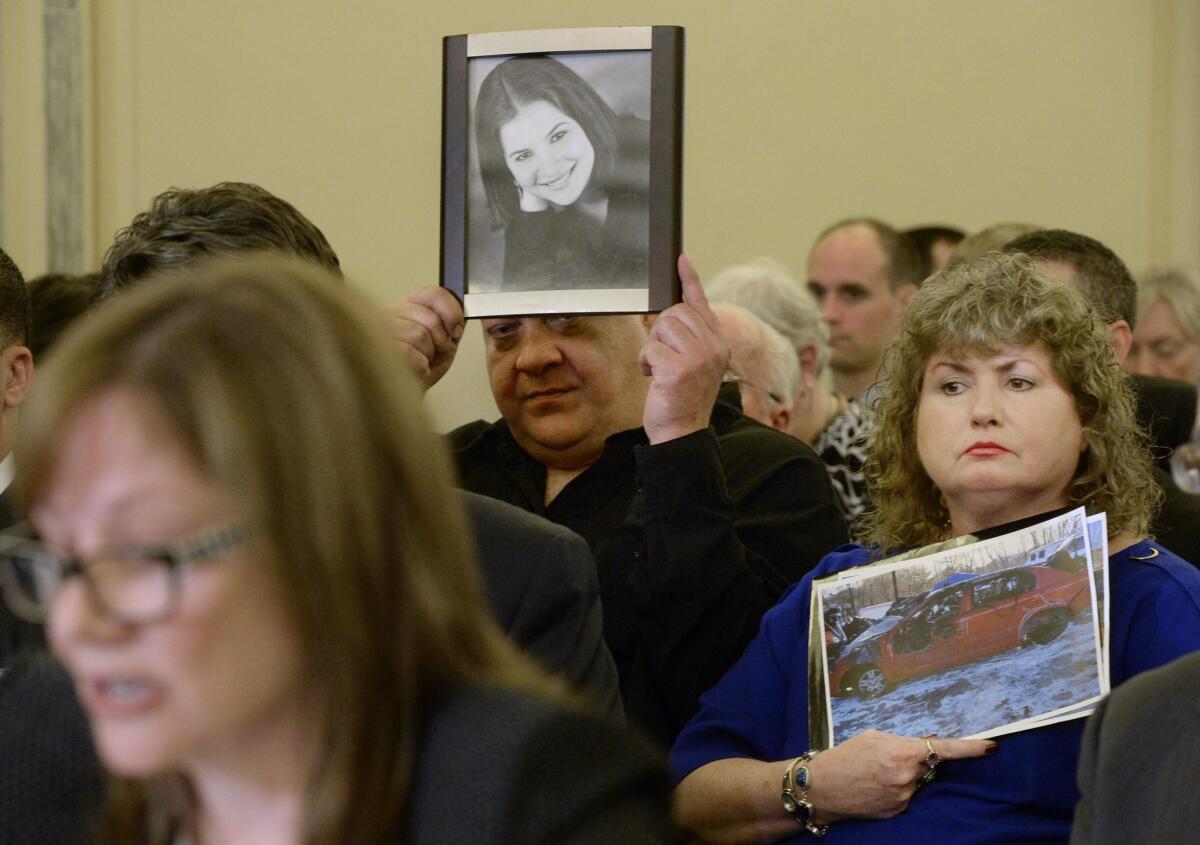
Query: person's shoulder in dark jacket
[1137, 769]
[541, 582]
[51, 781]
[1175, 526]
[1166, 409]
[503, 767]
[16, 635]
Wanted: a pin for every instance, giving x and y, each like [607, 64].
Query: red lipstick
[983, 448]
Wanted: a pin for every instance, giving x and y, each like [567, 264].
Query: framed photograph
[976, 641]
[562, 170]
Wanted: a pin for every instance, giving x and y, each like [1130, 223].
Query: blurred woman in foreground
[261, 585]
[1004, 406]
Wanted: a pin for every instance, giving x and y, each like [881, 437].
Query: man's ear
[1122, 339]
[905, 293]
[781, 419]
[17, 364]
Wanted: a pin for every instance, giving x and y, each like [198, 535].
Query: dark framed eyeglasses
[135, 584]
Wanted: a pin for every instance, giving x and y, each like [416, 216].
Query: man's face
[564, 383]
[847, 275]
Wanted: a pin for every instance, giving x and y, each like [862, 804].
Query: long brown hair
[284, 388]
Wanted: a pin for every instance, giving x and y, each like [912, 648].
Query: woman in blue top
[1004, 403]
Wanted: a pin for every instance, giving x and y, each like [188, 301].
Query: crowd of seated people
[250, 597]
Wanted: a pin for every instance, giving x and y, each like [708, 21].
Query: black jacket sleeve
[723, 528]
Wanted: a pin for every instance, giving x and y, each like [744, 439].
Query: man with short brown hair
[862, 273]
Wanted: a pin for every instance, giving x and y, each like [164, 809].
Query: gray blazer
[541, 583]
[1139, 768]
[497, 767]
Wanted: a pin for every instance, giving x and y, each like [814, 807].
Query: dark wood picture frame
[462, 187]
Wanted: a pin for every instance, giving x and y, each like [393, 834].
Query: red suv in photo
[961, 623]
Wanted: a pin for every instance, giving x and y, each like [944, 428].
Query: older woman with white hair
[1166, 341]
[838, 428]
[764, 365]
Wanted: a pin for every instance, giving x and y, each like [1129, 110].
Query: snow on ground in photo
[1007, 687]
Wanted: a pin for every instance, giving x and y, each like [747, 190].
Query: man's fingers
[444, 304]
[654, 353]
[693, 291]
[418, 327]
[677, 328]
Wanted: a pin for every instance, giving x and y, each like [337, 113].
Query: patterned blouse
[843, 447]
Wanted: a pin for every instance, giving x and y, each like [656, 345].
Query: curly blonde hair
[976, 308]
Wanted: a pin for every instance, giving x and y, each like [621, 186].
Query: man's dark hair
[56, 301]
[183, 225]
[924, 237]
[14, 303]
[1103, 277]
[903, 261]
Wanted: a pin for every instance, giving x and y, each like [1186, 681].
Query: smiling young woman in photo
[1004, 405]
[257, 574]
[564, 176]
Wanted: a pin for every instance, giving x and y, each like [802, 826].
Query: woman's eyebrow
[953, 365]
[1007, 364]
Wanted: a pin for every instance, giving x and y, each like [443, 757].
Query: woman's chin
[129, 755]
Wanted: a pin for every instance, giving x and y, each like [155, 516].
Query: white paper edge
[595, 38]
[584, 301]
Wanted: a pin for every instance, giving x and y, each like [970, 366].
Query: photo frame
[562, 170]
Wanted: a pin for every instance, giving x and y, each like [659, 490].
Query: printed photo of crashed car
[963, 622]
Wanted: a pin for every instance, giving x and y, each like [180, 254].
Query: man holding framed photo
[618, 427]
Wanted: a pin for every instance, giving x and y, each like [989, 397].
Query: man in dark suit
[1138, 766]
[16, 372]
[1165, 409]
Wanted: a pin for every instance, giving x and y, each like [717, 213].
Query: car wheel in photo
[1046, 627]
[869, 682]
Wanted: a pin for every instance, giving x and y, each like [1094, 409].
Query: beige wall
[1075, 113]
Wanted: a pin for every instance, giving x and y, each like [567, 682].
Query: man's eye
[562, 323]
[818, 292]
[500, 331]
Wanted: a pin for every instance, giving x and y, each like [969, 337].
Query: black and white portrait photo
[558, 170]
[560, 187]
